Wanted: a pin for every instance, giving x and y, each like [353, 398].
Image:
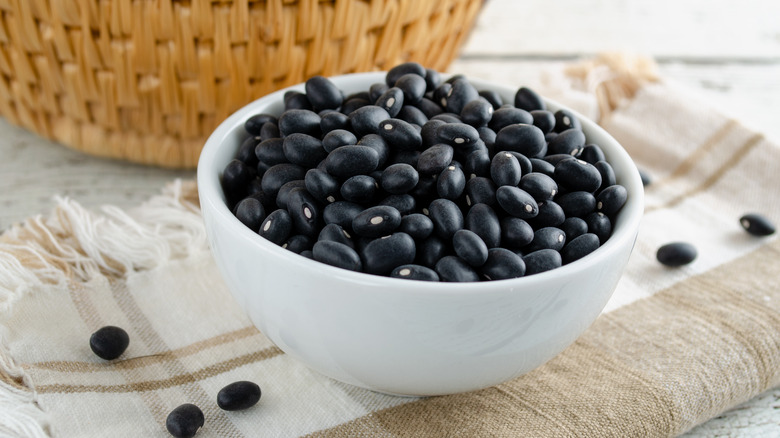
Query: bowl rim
[212, 197]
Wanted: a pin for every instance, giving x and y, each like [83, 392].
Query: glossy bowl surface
[400, 336]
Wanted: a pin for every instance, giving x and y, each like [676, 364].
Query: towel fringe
[75, 244]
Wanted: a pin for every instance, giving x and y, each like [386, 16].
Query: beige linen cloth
[674, 348]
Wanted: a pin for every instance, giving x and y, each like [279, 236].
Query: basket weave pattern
[148, 80]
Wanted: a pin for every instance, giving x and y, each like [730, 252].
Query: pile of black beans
[424, 179]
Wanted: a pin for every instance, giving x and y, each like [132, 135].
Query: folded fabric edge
[75, 244]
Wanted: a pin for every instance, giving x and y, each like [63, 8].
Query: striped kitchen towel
[675, 346]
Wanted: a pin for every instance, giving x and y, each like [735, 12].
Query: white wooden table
[728, 52]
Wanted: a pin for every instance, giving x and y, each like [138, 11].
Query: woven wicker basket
[148, 80]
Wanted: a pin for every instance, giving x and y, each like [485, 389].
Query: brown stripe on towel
[669, 362]
[145, 361]
[739, 154]
[184, 378]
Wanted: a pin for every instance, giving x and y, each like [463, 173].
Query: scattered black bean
[238, 396]
[676, 254]
[646, 178]
[185, 420]
[757, 224]
[109, 342]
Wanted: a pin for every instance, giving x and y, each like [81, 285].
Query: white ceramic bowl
[401, 336]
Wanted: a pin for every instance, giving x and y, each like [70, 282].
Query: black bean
[352, 104]
[303, 149]
[676, 254]
[477, 163]
[235, 178]
[541, 166]
[554, 159]
[415, 272]
[298, 243]
[480, 190]
[505, 169]
[577, 204]
[391, 100]
[544, 120]
[308, 254]
[432, 79]
[517, 202]
[574, 227]
[337, 254]
[757, 224]
[458, 135]
[376, 221]
[506, 116]
[431, 250]
[341, 213]
[446, 216]
[300, 120]
[428, 108]
[527, 99]
[413, 87]
[600, 225]
[336, 233]
[366, 119]
[400, 135]
[646, 178]
[417, 225]
[546, 238]
[435, 159]
[607, 175]
[277, 226]
[448, 118]
[246, 152]
[295, 100]
[271, 152]
[542, 260]
[412, 115]
[251, 213]
[378, 144]
[493, 97]
[255, 123]
[333, 120]
[523, 138]
[461, 93]
[502, 264]
[454, 269]
[483, 220]
[336, 138]
[270, 130]
[451, 183]
[322, 185]
[404, 203]
[351, 160]
[577, 175]
[284, 191]
[477, 113]
[375, 90]
[550, 215]
[610, 200]
[305, 212]
[515, 232]
[565, 119]
[428, 132]
[185, 420]
[579, 247]
[109, 342]
[568, 142]
[384, 254]
[470, 247]
[359, 189]
[323, 93]
[539, 185]
[487, 135]
[591, 153]
[280, 174]
[238, 396]
[399, 178]
[405, 68]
